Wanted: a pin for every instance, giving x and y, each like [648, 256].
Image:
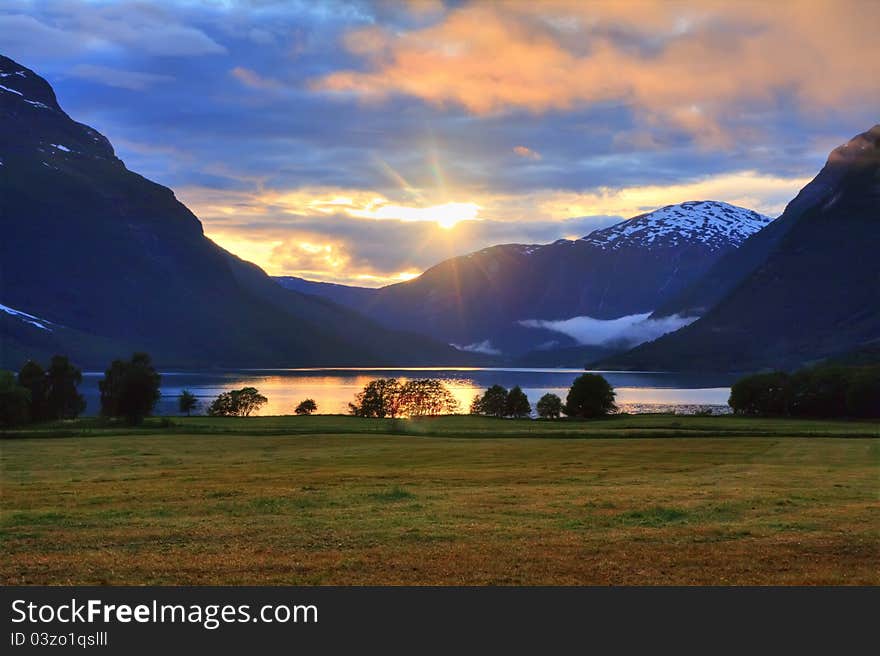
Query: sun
[448, 215]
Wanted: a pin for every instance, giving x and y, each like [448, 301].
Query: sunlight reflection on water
[333, 389]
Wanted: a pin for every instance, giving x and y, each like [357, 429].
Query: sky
[363, 142]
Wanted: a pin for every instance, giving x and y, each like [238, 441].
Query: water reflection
[334, 389]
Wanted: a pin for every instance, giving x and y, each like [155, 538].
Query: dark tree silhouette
[33, 378]
[237, 403]
[762, 394]
[426, 397]
[494, 402]
[187, 402]
[517, 404]
[15, 401]
[549, 406]
[63, 401]
[590, 396]
[306, 407]
[130, 389]
[379, 398]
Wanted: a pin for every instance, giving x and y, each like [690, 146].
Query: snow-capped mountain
[630, 268]
[713, 223]
[806, 288]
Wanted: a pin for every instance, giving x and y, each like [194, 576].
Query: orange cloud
[527, 153]
[253, 79]
[684, 67]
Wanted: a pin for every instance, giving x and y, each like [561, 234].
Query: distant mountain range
[804, 289]
[480, 301]
[97, 261]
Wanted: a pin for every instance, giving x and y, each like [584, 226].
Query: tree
[237, 403]
[494, 402]
[15, 401]
[517, 404]
[426, 397]
[477, 405]
[761, 394]
[130, 389]
[187, 402]
[33, 378]
[590, 396]
[549, 406]
[863, 393]
[306, 407]
[379, 398]
[63, 401]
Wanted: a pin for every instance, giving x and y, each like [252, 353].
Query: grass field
[454, 500]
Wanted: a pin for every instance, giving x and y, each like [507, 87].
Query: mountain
[633, 267]
[104, 261]
[805, 289]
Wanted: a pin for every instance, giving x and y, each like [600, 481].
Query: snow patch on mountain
[713, 223]
[27, 318]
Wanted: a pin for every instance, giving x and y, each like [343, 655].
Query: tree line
[823, 391]
[589, 396]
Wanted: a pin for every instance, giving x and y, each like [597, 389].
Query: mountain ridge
[815, 293]
[143, 274]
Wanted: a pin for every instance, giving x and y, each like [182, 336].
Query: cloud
[72, 27]
[625, 331]
[527, 153]
[115, 77]
[253, 79]
[479, 347]
[689, 67]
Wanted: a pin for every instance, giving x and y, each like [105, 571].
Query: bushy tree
[15, 401]
[549, 406]
[63, 401]
[187, 402]
[306, 407]
[863, 393]
[590, 396]
[477, 405]
[130, 389]
[761, 394]
[33, 378]
[824, 391]
[426, 397]
[379, 398]
[237, 403]
[517, 404]
[493, 402]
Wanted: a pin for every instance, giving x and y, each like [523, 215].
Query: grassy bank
[290, 500]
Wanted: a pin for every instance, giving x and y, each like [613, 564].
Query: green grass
[454, 500]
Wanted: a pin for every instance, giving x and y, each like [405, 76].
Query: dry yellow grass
[394, 509]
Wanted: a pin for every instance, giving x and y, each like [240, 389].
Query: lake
[333, 389]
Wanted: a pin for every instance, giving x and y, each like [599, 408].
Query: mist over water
[333, 389]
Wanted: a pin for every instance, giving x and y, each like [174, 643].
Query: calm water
[333, 389]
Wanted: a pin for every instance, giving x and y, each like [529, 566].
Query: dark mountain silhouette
[630, 268]
[804, 289]
[109, 261]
